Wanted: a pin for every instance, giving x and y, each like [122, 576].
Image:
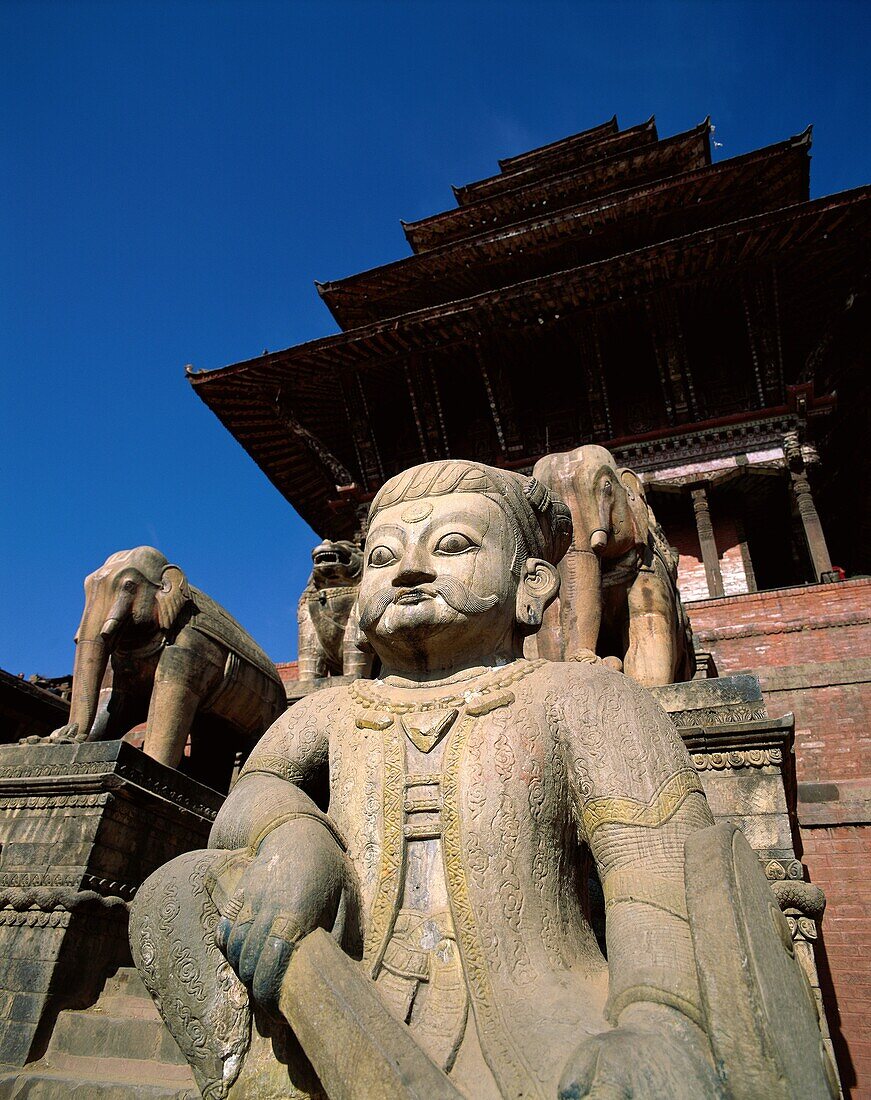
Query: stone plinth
[747, 766]
[81, 826]
[744, 759]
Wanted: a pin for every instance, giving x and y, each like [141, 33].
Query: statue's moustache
[453, 592]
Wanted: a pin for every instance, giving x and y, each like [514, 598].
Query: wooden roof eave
[624, 141]
[461, 319]
[438, 260]
[454, 224]
[594, 133]
[260, 387]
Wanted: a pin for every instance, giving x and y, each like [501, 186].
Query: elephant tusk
[110, 627]
[598, 539]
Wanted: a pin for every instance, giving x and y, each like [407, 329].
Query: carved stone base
[81, 826]
[746, 764]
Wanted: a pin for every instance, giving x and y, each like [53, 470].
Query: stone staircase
[118, 1049]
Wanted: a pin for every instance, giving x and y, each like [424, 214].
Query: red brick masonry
[811, 648]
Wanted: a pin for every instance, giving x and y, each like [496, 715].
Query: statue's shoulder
[320, 708]
[567, 676]
[585, 691]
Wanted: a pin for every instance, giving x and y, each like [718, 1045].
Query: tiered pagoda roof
[611, 286]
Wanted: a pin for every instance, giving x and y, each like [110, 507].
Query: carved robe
[545, 770]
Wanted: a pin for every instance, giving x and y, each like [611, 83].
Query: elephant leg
[652, 652]
[184, 677]
[170, 716]
[547, 642]
[117, 714]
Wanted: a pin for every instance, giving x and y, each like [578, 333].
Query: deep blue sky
[176, 175]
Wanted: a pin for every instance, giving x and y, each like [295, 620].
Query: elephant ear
[634, 487]
[173, 595]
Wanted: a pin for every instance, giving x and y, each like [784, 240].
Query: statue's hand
[654, 1052]
[293, 885]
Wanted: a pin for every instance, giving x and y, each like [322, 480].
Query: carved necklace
[478, 695]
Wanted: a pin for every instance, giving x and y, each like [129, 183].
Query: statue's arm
[637, 798]
[279, 782]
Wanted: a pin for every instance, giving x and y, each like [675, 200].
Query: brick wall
[837, 859]
[788, 626]
[691, 571]
[288, 671]
[811, 648]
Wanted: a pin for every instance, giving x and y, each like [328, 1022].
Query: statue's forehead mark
[416, 512]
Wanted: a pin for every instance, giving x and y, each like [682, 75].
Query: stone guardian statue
[328, 629]
[441, 823]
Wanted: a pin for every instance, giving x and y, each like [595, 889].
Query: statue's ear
[634, 487]
[538, 586]
[173, 594]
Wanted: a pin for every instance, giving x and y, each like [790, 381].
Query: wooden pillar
[707, 542]
[797, 457]
[813, 529]
[749, 573]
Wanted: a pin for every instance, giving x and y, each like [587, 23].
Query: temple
[707, 323]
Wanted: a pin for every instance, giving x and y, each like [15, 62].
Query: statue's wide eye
[381, 555]
[454, 543]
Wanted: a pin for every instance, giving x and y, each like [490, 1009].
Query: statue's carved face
[336, 563]
[437, 571]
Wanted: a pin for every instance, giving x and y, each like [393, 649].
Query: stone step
[72, 1077]
[92, 1033]
[125, 982]
[123, 1007]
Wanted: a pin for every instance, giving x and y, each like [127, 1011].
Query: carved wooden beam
[339, 473]
[366, 446]
[499, 400]
[415, 408]
[760, 298]
[669, 348]
[440, 413]
[594, 377]
[798, 457]
[426, 404]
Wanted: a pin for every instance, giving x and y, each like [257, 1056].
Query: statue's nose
[415, 568]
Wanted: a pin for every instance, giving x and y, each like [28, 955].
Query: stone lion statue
[328, 629]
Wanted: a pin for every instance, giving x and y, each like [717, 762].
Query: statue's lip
[416, 595]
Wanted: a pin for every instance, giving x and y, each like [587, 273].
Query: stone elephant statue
[326, 615]
[618, 592]
[151, 647]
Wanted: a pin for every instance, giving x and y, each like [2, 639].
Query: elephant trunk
[118, 613]
[92, 657]
[599, 535]
[580, 602]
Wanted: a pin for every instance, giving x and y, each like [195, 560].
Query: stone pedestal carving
[81, 826]
[745, 762]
